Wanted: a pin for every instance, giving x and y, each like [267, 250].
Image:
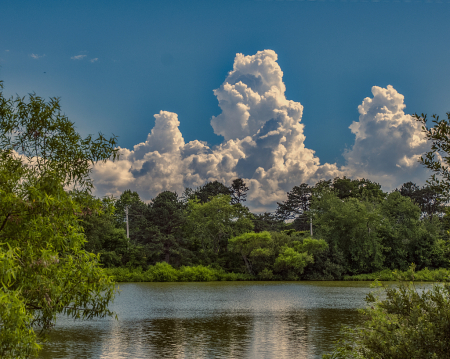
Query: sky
[276, 92]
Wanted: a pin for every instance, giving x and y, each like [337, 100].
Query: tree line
[320, 232]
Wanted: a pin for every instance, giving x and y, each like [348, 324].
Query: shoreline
[162, 272]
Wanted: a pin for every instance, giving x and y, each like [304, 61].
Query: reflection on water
[214, 320]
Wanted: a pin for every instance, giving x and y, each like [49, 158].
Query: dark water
[214, 320]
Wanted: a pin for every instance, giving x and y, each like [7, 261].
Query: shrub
[407, 324]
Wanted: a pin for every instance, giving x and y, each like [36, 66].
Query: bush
[163, 272]
[408, 324]
[197, 274]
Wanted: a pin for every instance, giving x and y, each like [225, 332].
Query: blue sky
[138, 58]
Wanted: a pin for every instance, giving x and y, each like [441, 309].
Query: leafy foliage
[438, 158]
[211, 224]
[409, 323]
[45, 269]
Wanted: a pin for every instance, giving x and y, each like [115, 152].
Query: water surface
[214, 320]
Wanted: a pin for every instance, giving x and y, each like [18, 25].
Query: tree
[291, 260]
[296, 207]
[45, 270]
[250, 245]
[106, 237]
[211, 224]
[359, 188]
[293, 257]
[102, 235]
[350, 226]
[438, 158]
[166, 219]
[238, 191]
[267, 222]
[405, 237]
[209, 190]
[428, 198]
[409, 323]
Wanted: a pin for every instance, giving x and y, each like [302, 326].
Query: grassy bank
[425, 275]
[163, 272]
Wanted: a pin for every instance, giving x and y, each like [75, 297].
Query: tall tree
[428, 198]
[238, 191]
[296, 207]
[45, 270]
[166, 218]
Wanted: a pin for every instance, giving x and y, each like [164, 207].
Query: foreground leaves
[409, 323]
[44, 270]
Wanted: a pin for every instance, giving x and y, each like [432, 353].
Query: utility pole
[310, 226]
[128, 229]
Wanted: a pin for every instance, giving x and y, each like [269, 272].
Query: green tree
[296, 255]
[209, 190]
[292, 262]
[350, 226]
[102, 235]
[106, 237]
[166, 218]
[426, 197]
[45, 270]
[250, 245]
[362, 189]
[211, 224]
[407, 239]
[296, 207]
[267, 222]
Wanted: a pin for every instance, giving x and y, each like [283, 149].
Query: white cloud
[78, 57]
[36, 56]
[388, 142]
[94, 60]
[264, 143]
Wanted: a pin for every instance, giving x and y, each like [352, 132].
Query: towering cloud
[388, 142]
[264, 143]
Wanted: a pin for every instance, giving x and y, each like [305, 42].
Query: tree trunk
[167, 253]
[248, 265]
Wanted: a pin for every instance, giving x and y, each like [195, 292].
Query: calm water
[214, 320]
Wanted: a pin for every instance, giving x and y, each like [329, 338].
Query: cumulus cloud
[94, 60]
[264, 143]
[388, 142]
[35, 56]
[78, 57]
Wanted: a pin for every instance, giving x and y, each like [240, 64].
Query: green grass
[425, 275]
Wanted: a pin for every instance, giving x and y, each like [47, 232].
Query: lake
[214, 320]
